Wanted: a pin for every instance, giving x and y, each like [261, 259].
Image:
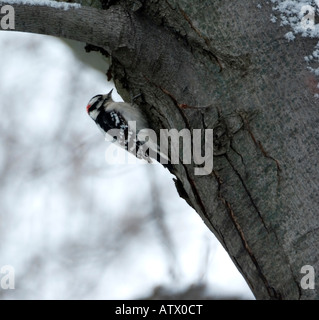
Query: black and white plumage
[128, 122]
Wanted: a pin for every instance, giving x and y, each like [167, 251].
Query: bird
[127, 125]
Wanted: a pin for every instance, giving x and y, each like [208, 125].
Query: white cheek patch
[94, 114]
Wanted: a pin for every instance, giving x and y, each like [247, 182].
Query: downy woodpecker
[125, 123]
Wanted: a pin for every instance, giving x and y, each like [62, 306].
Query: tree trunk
[224, 66]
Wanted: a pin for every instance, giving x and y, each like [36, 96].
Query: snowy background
[73, 226]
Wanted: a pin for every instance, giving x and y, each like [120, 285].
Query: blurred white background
[73, 226]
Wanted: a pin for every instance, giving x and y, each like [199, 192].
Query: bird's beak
[88, 107]
[110, 93]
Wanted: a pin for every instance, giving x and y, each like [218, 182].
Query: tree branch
[85, 24]
[132, 40]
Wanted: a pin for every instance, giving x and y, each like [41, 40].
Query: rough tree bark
[222, 65]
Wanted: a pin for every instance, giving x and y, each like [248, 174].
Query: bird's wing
[122, 133]
[112, 120]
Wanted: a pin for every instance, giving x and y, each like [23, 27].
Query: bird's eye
[93, 103]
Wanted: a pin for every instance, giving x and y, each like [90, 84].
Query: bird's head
[94, 105]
